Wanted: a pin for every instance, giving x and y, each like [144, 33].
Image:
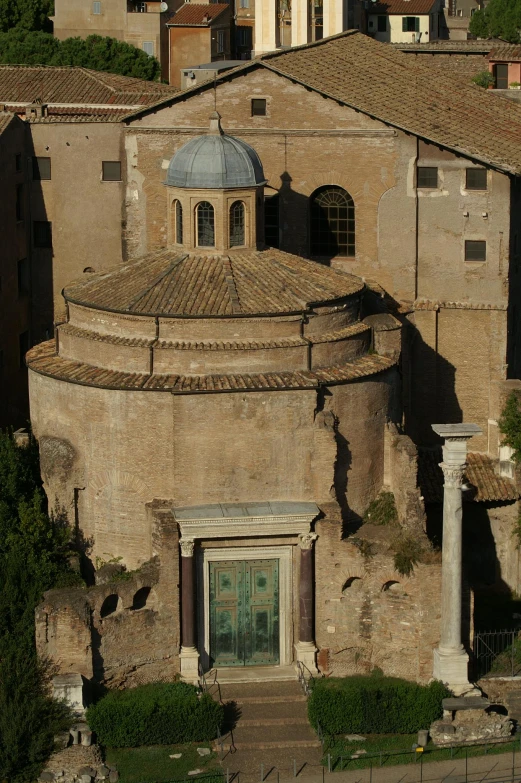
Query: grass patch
[152, 764]
[386, 750]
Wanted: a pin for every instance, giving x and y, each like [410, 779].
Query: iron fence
[497, 654]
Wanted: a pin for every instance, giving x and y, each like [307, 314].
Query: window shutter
[417, 24]
[404, 24]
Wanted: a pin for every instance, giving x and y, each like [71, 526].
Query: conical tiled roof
[180, 284]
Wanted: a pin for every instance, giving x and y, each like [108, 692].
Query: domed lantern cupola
[215, 193]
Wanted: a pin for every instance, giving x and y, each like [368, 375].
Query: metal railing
[497, 654]
[305, 678]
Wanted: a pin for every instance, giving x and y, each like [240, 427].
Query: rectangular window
[244, 36]
[501, 76]
[148, 48]
[427, 177]
[111, 171]
[221, 40]
[476, 179]
[23, 277]
[382, 24]
[42, 233]
[18, 161]
[23, 343]
[410, 24]
[41, 168]
[475, 250]
[245, 3]
[258, 107]
[96, 8]
[19, 202]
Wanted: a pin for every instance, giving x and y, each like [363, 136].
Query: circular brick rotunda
[226, 386]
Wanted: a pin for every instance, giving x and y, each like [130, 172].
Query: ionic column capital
[306, 540]
[453, 474]
[187, 547]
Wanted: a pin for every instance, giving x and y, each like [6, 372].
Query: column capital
[455, 432]
[306, 540]
[187, 547]
[453, 474]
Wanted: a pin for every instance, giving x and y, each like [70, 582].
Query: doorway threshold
[228, 674]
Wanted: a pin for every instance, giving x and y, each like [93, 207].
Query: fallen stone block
[195, 771]
[45, 777]
[204, 751]
[355, 738]
[175, 755]
[113, 776]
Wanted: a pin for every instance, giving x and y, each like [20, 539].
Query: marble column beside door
[450, 658]
[305, 649]
[189, 655]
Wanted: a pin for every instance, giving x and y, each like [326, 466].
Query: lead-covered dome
[215, 161]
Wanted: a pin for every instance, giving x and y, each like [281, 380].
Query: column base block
[452, 668]
[306, 654]
[189, 658]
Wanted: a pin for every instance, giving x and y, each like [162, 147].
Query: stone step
[266, 745]
[264, 699]
[272, 722]
[279, 732]
[286, 711]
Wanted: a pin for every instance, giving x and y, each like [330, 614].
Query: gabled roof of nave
[171, 283]
[399, 90]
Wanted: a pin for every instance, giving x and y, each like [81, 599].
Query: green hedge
[374, 705]
[158, 714]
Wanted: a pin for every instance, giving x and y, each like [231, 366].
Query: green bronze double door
[244, 613]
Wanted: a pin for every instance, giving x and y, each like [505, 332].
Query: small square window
[221, 41]
[23, 343]
[41, 168]
[96, 8]
[475, 250]
[42, 233]
[410, 24]
[18, 161]
[476, 179]
[148, 48]
[382, 24]
[258, 107]
[23, 277]
[111, 171]
[427, 177]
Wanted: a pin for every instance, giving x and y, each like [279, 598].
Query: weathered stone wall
[401, 478]
[369, 615]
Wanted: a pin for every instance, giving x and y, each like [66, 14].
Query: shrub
[408, 552]
[382, 510]
[157, 714]
[484, 79]
[374, 705]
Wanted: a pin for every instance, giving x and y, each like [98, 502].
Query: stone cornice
[241, 527]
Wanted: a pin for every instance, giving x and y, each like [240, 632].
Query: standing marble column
[189, 655]
[450, 658]
[305, 647]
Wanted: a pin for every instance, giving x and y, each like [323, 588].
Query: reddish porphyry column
[189, 655]
[305, 647]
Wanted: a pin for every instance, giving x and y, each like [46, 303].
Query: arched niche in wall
[110, 605]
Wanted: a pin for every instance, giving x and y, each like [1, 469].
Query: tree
[26, 14]
[23, 47]
[34, 552]
[500, 19]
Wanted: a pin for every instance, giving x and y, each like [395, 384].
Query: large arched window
[237, 224]
[332, 222]
[205, 225]
[178, 222]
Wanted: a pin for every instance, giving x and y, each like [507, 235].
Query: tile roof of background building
[197, 15]
[166, 283]
[25, 84]
[479, 474]
[482, 46]
[402, 7]
[396, 89]
[506, 52]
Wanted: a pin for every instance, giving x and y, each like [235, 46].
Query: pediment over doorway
[218, 520]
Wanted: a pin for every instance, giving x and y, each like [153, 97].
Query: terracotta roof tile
[402, 7]
[43, 360]
[477, 47]
[74, 85]
[399, 90]
[505, 52]
[480, 474]
[198, 15]
[166, 283]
